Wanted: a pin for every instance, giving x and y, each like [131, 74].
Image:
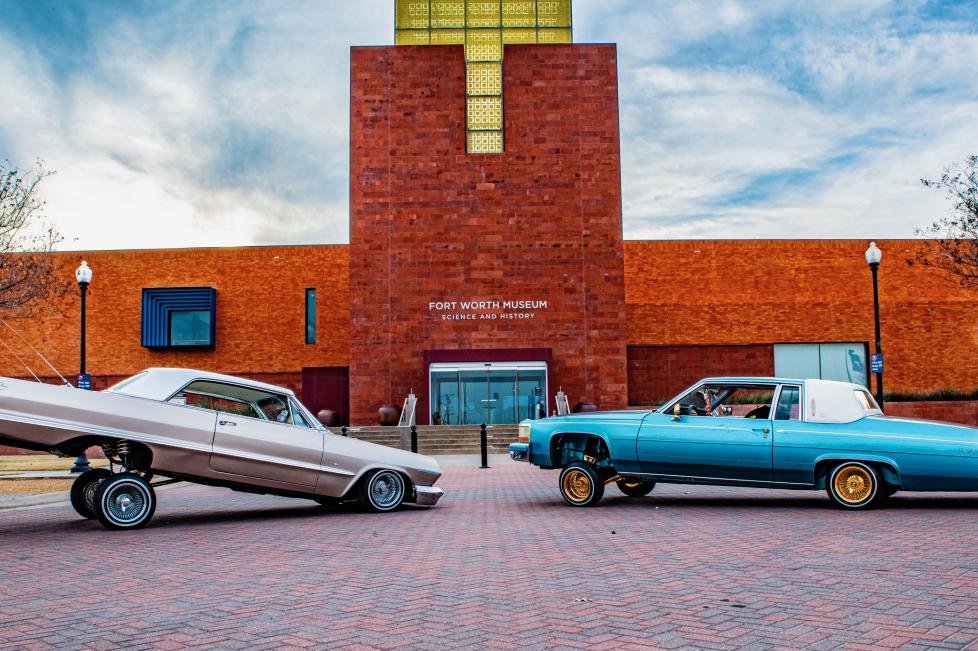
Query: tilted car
[195, 426]
[759, 432]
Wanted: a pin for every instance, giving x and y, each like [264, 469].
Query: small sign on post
[84, 381]
[876, 362]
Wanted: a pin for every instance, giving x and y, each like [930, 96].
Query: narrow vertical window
[310, 316]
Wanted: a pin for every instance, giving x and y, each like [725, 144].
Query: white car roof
[161, 383]
[829, 401]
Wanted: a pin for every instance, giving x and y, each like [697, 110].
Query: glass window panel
[411, 14]
[190, 328]
[502, 397]
[411, 37]
[483, 45]
[553, 13]
[845, 362]
[519, 36]
[520, 14]
[554, 36]
[484, 142]
[444, 398]
[474, 399]
[480, 13]
[447, 13]
[484, 113]
[448, 37]
[484, 79]
[310, 316]
[796, 361]
[789, 404]
[532, 392]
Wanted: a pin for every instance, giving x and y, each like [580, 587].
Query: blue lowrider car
[760, 432]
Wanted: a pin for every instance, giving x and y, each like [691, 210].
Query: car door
[718, 446]
[250, 441]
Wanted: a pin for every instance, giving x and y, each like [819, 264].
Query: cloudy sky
[225, 123]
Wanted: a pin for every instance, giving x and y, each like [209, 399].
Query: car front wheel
[83, 491]
[580, 484]
[125, 501]
[853, 485]
[635, 487]
[382, 490]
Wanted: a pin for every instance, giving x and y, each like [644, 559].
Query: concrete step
[442, 439]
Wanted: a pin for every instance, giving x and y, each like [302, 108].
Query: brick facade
[541, 222]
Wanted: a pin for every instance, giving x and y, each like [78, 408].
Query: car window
[789, 404]
[238, 400]
[275, 409]
[727, 400]
[217, 403]
[297, 418]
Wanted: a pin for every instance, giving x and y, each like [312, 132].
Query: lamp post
[83, 274]
[873, 257]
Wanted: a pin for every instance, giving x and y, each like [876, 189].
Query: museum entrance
[471, 393]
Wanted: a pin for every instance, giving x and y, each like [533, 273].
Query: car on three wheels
[221, 430]
[757, 432]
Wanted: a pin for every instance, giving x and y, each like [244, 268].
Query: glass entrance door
[490, 393]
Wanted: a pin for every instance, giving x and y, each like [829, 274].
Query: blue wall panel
[159, 302]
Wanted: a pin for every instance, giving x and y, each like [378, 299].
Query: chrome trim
[750, 481]
[519, 451]
[427, 495]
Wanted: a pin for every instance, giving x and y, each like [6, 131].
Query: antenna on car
[7, 346]
[36, 352]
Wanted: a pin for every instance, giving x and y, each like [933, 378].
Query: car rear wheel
[854, 485]
[580, 484]
[125, 501]
[83, 491]
[382, 490]
[635, 487]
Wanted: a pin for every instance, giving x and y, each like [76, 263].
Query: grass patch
[34, 486]
[927, 396]
[14, 463]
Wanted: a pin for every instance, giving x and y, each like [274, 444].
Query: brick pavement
[501, 563]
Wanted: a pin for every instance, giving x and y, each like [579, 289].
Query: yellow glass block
[484, 142]
[411, 14]
[447, 14]
[481, 13]
[484, 79]
[447, 36]
[520, 14]
[554, 36]
[411, 37]
[519, 36]
[483, 45]
[554, 13]
[483, 113]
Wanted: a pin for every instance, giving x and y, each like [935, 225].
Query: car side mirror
[675, 412]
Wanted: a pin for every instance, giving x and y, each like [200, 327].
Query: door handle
[230, 423]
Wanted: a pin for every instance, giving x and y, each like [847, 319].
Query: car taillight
[524, 434]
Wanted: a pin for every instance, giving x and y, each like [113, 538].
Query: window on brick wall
[827, 361]
[179, 317]
[310, 316]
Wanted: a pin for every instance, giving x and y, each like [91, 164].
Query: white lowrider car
[207, 428]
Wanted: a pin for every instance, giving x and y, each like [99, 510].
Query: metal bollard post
[343, 430]
[414, 438]
[484, 446]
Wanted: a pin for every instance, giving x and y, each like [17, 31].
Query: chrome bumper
[519, 451]
[427, 495]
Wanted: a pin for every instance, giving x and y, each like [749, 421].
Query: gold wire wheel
[577, 485]
[853, 484]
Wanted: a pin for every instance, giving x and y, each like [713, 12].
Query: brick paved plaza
[501, 563]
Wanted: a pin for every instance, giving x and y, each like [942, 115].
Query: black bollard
[414, 438]
[343, 430]
[484, 446]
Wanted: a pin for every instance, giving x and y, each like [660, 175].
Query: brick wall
[764, 291]
[260, 311]
[657, 373]
[952, 411]
[430, 223]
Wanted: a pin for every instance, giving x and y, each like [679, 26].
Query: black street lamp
[83, 274]
[873, 257]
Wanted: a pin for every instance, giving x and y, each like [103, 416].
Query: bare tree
[954, 238]
[29, 274]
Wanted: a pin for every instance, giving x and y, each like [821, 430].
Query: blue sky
[225, 123]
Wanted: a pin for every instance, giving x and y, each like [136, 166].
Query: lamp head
[873, 254]
[83, 274]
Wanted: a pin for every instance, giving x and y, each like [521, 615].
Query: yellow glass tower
[483, 27]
